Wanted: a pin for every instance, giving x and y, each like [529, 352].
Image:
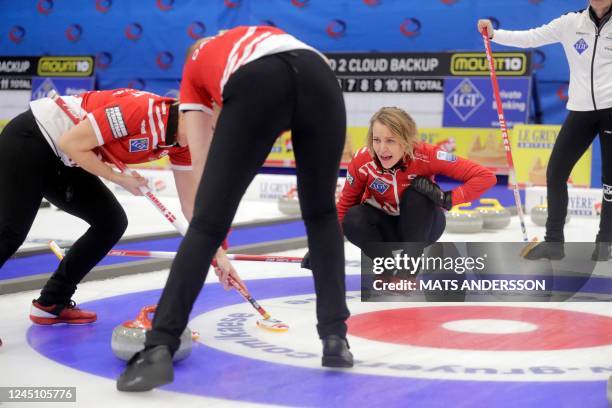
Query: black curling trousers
[292, 90]
[575, 137]
[29, 171]
[420, 221]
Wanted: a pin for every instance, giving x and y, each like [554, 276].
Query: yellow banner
[481, 145]
[531, 147]
[484, 146]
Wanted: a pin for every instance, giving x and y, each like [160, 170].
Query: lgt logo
[465, 99]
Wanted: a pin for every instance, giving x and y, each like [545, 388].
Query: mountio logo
[465, 99]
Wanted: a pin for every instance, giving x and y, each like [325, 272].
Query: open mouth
[386, 158]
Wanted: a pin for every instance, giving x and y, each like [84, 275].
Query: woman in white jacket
[586, 37]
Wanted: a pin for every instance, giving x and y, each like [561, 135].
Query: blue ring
[213, 373]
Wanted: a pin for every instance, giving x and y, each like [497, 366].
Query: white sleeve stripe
[152, 124]
[96, 129]
[249, 50]
[160, 122]
[180, 167]
[195, 106]
[232, 57]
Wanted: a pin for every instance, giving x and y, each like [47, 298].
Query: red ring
[422, 326]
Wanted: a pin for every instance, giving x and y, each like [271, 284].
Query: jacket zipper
[593, 68]
[395, 190]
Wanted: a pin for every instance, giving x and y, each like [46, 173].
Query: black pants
[29, 171]
[575, 137]
[293, 90]
[420, 221]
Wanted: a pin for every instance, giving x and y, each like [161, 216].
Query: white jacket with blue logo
[588, 51]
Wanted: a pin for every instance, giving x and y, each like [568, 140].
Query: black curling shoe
[336, 352]
[601, 252]
[546, 250]
[146, 370]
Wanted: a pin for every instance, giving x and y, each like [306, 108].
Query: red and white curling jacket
[368, 182]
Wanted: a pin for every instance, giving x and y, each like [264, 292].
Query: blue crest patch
[379, 186]
[139, 145]
[581, 46]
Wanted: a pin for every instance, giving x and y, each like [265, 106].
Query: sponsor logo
[232, 3]
[137, 83]
[465, 99]
[607, 193]
[116, 122]
[196, 30]
[476, 63]
[74, 32]
[350, 178]
[104, 59]
[164, 5]
[372, 3]
[44, 7]
[133, 31]
[103, 6]
[411, 27]
[580, 46]
[139, 145]
[65, 66]
[336, 28]
[43, 89]
[446, 156]
[164, 59]
[17, 34]
[379, 186]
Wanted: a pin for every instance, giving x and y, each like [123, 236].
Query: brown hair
[400, 123]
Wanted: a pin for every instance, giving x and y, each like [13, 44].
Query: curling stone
[129, 337]
[463, 221]
[494, 216]
[539, 214]
[289, 204]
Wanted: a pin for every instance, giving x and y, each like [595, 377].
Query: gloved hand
[306, 261]
[432, 191]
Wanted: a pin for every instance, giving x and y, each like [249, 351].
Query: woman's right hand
[131, 182]
[485, 23]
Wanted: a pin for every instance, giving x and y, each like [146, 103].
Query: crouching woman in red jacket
[390, 194]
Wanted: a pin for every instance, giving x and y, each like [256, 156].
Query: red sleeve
[353, 189]
[118, 119]
[192, 96]
[477, 179]
[180, 158]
